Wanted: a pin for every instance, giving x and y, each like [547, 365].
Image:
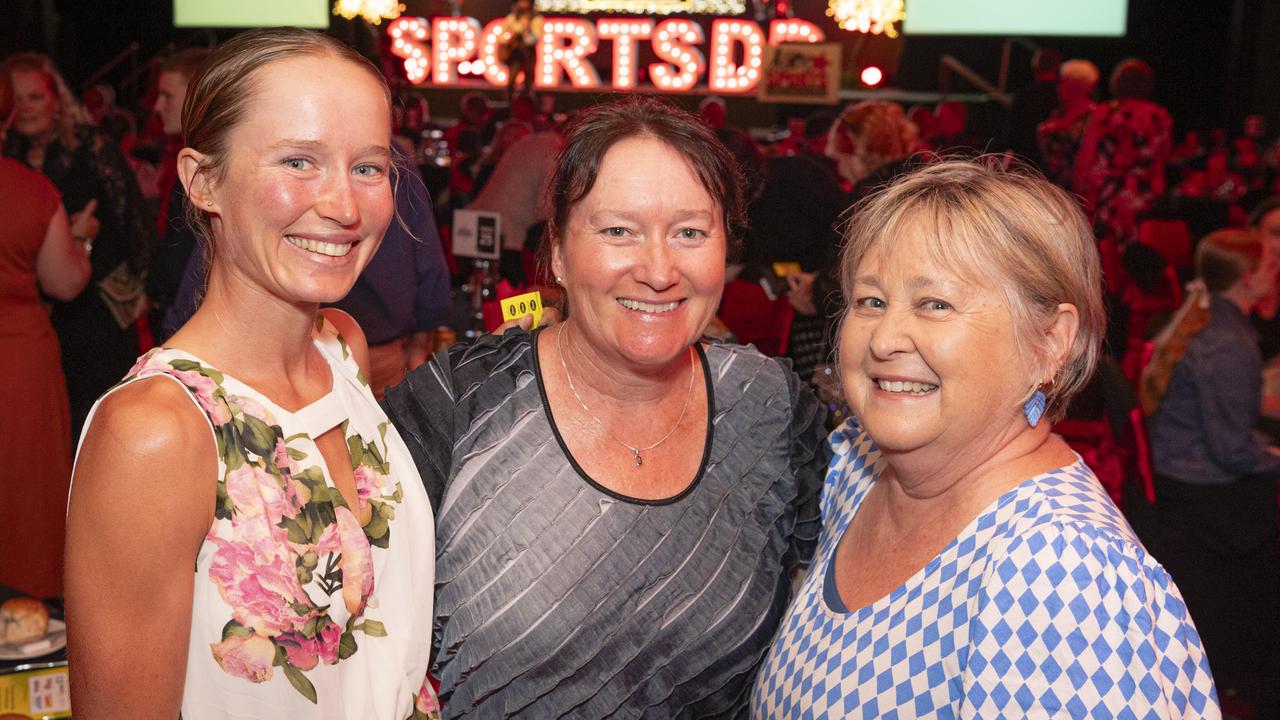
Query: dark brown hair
[1133, 79]
[595, 130]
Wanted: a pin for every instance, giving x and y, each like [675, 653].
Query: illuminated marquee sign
[439, 51]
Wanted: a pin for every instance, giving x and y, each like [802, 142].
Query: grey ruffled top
[558, 598]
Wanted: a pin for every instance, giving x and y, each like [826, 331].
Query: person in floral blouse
[250, 449]
[1059, 137]
[1120, 169]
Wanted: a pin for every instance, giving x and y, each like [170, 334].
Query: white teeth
[647, 307]
[911, 388]
[324, 248]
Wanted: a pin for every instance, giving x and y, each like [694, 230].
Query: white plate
[54, 639]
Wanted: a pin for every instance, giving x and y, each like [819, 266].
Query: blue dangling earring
[1033, 408]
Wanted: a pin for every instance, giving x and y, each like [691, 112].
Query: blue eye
[615, 232]
[873, 303]
[297, 163]
[369, 170]
[936, 305]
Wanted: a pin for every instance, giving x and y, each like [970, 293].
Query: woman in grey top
[619, 504]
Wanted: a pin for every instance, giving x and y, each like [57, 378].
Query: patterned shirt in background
[1120, 168]
[1058, 140]
[1045, 605]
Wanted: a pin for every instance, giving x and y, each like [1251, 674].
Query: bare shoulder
[144, 438]
[351, 334]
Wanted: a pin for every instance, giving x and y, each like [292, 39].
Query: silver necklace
[635, 451]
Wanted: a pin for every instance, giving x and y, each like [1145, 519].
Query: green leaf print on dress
[293, 539]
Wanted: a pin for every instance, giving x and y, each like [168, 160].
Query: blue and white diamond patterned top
[1046, 605]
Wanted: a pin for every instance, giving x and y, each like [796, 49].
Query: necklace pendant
[635, 454]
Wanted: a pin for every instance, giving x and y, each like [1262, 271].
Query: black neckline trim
[555, 430]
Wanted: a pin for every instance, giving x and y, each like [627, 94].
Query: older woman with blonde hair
[970, 564]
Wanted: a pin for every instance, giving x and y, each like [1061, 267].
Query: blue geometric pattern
[1046, 605]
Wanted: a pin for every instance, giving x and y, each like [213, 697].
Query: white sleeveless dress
[299, 611]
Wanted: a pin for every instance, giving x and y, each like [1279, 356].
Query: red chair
[755, 319]
[1171, 238]
[1093, 441]
[1138, 423]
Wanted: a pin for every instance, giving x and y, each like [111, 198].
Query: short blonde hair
[1009, 229]
[1082, 72]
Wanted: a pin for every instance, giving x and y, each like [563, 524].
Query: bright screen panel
[250, 13]
[1092, 18]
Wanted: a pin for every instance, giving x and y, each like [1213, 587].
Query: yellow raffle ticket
[784, 269]
[518, 306]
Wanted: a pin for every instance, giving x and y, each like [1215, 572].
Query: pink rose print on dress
[426, 704]
[368, 484]
[203, 389]
[259, 591]
[247, 657]
[357, 561]
[249, 406]
[305, 653]
[256, 492]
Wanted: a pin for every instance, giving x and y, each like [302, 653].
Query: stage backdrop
[1096, 18]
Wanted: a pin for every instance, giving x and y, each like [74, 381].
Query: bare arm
[142, 501]
[62, 266]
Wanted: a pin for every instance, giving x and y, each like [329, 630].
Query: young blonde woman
[247, 535]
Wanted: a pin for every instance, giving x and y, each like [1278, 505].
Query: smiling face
[171, 91]
[37, 104]
[643, 256]
[306, 194]
[929, 360]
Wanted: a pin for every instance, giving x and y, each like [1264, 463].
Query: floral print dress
[301, 611]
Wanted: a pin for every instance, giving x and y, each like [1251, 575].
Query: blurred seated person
[1212, 179]
[1215, 480]
[399, 298]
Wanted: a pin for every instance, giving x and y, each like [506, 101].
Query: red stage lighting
[872, 76]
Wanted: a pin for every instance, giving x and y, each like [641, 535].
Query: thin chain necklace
[635, 451]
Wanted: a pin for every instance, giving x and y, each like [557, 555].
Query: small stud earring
[559, 280]
[209, 203]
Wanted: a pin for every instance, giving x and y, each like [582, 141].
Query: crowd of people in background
[125, 269]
